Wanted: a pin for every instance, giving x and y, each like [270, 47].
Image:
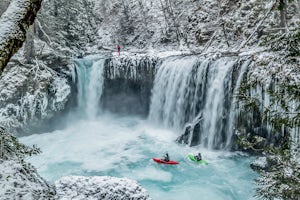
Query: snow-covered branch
[257, 27]
[14, 23]
[44, 32]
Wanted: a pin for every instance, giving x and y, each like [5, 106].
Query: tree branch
[14, 24]
[257, 27]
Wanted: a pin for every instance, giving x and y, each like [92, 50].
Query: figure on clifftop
[119, 49]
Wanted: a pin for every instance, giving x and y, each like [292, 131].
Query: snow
[261, 162]
[12, 23]
[198, 22]
[267, 66]
[18, 183]
[99, 187]
[9, 19]
[25, 95]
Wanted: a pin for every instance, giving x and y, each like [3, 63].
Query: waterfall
[170, 92]
[197, 91]
[90, 85]
[234, 110]
[214, 112]
[187, 89]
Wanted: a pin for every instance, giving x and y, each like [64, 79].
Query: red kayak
[170, 162]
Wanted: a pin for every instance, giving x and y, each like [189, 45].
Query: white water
[108, 144]
[123, 147]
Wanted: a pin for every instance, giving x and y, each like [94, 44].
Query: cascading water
[233, 114]
[196, 90]
[214, 112]
[90, 85]
[102, 143]
[171, 90]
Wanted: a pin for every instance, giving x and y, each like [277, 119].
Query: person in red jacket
[119, 48]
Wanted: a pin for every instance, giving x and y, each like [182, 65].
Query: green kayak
[192, 158]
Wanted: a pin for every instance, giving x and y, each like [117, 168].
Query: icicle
[233, 109]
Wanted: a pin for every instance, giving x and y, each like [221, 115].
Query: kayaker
[198, 157]
[166, 157]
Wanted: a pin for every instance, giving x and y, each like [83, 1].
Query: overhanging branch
[13, 26]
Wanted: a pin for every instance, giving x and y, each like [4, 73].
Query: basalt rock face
[255, 125]
[191, 132]
[127, 85]
[268, 104]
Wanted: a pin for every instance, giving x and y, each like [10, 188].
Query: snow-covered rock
[99, 187]
[31, 93]
[259, 164]
[19, 180]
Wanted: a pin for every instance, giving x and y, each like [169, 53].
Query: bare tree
[143, 12]
[15, 22]
[171, 18]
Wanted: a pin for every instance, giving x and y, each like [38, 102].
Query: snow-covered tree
[19, 179]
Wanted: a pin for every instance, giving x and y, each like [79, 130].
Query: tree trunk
[298, 5]
[3, 6]
[29, 51]
[14, 24]
[283, 13]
